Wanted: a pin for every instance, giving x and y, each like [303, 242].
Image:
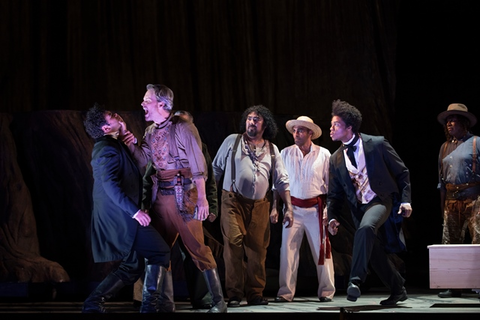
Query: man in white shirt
[307, 167]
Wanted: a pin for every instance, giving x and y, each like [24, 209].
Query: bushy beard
[252, 131]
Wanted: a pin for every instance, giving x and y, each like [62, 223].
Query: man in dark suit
[369, 174]
[120, 229]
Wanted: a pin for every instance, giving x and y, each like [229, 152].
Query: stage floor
[422, 303]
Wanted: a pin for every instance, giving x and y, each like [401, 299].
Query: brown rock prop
[19, 248]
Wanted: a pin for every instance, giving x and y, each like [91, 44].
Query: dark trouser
[368, 248]
[148, 245]
[245, 226]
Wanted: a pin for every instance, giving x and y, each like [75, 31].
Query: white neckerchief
[358, 154]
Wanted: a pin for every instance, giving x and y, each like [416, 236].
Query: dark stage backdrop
[400, 62]
[216, 55]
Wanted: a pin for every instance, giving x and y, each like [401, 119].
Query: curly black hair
[94, 120]
[349, 114]
[271, 128]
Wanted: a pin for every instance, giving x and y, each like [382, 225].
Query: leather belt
[462, 191]
[170, 184]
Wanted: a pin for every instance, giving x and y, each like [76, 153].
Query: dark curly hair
[94, 120]
[271, 128]
[349, 114]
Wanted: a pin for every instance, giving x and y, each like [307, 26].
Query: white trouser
[305, 222]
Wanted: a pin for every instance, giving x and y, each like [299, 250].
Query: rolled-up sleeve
[190, 149]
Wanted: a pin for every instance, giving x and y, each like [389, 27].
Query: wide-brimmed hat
[306, 122]
[457, 108]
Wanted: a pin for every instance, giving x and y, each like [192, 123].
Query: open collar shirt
[308, 175]
[252, 176]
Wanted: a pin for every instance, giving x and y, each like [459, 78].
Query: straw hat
[306, 122]
[457, 108]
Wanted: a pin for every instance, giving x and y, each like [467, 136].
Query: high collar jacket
[117, 190]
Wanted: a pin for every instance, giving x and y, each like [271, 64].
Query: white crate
[454, 266]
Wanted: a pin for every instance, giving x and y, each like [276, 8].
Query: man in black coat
[120, 230]
[369, 174]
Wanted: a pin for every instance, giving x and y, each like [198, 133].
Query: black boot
[450, 293]
[103, 292]
[154, 275]
[200, 297]
[166, 303]
[215, 287]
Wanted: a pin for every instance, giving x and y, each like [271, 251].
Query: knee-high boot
[166, 303]
[215, 287]
[103, 292]
[154, 276]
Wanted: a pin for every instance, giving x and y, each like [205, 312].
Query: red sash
[308, 203]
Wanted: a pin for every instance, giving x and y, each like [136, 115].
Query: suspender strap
[172, 145]
[474, 164]
[272, 155]
[234, 151]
